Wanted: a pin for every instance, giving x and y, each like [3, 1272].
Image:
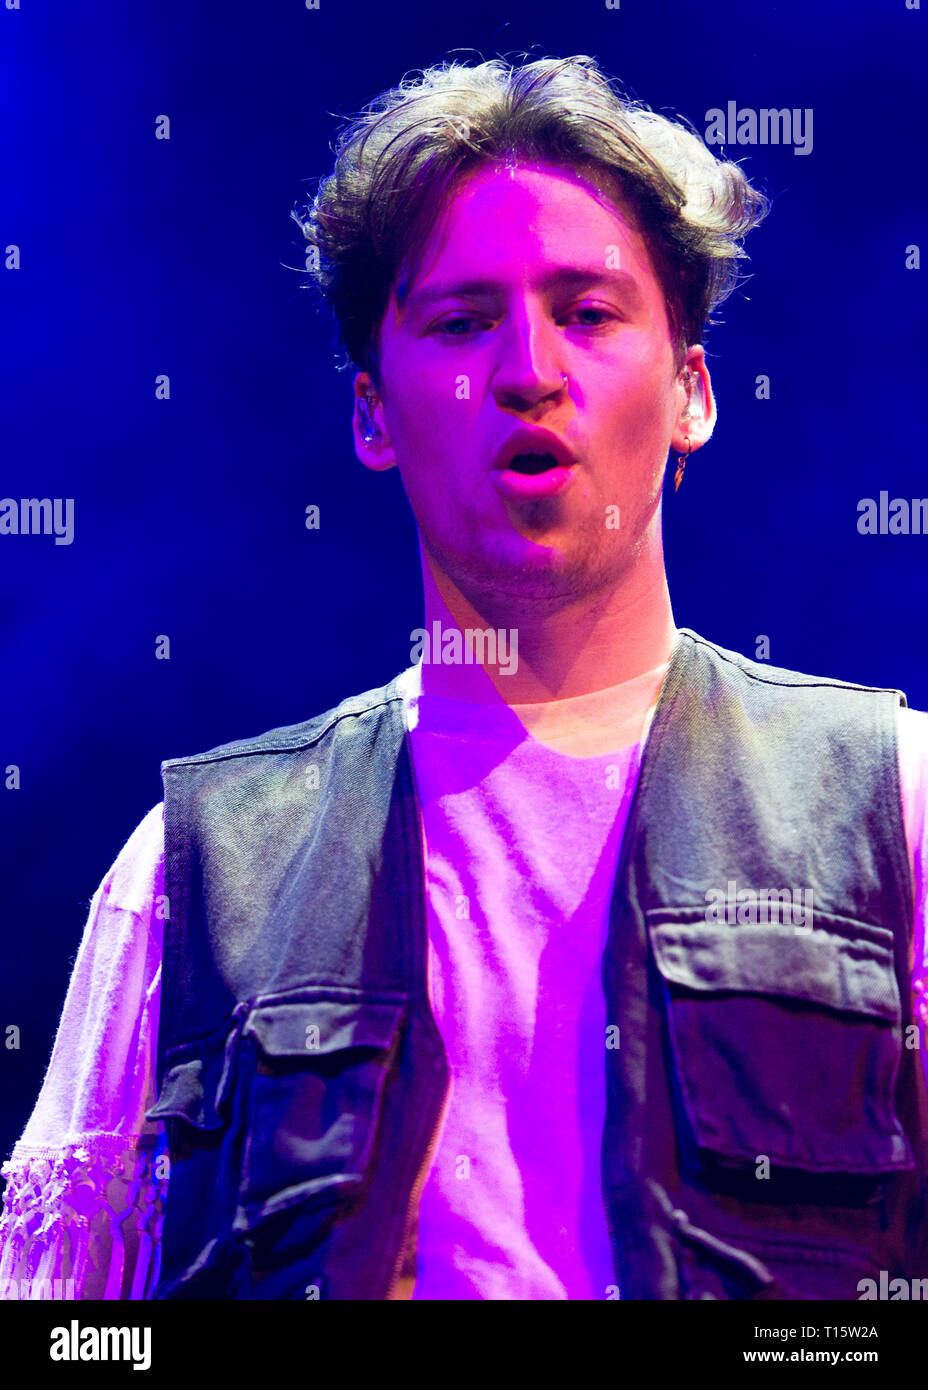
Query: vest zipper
[416, 1192]
[613, 1243]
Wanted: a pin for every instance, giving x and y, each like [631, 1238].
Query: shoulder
[294, 737]
[913, 731]
[742, 670]
[913, 766]
[129, 883]
[796, 720]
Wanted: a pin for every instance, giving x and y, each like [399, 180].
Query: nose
[528, 369]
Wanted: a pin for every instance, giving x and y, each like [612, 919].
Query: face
[533, 274]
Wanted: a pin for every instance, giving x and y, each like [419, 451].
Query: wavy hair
[398, 160]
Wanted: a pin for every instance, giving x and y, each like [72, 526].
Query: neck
[574, 646]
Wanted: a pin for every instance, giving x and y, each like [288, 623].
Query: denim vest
[766, 1114]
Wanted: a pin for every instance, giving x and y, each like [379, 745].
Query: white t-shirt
[522, 822]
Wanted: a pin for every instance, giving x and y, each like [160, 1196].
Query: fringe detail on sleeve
[83, 1221]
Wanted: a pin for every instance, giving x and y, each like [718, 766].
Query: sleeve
[913, 777]
[86, 1183]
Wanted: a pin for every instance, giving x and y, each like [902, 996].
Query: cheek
[636, 429]
[434, 425]
[640, 401]
[426, 407]
[428, 446]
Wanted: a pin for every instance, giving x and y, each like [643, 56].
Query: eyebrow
[563, 277]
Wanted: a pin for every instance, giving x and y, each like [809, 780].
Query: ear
[696, 412]
[376, 451]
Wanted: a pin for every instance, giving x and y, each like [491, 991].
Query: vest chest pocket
[785, 1043]
[316, 1070]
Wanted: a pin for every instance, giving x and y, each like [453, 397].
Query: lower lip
[517, 486]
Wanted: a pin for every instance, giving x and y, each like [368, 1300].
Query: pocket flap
[844, 965]
[193, 1090]
[310, 1028]
[315, 1098]
[199, 1077]
[785, 1044]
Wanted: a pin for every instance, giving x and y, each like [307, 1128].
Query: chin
[542, 575]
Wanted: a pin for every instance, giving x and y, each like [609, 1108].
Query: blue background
[142, 256]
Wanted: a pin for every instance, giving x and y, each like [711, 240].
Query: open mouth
[533, 463]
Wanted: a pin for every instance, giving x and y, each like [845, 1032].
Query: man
[576, 962]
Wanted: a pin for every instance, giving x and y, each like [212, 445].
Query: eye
[457, 327]
[591, 315]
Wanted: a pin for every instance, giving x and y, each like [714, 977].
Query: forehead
[499, 216]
